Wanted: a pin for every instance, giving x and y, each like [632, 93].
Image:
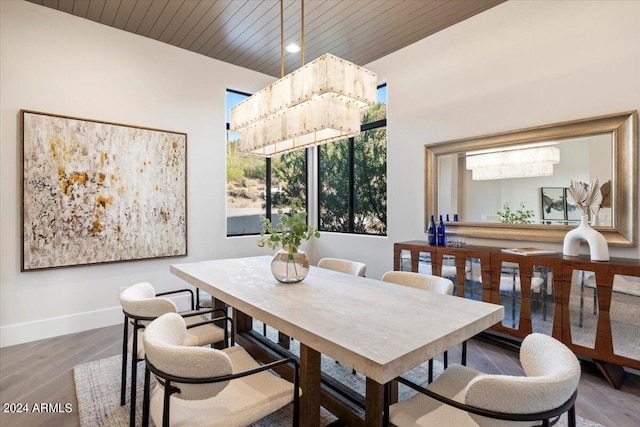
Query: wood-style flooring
[41, 373]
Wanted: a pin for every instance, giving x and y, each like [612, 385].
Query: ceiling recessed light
[292, 48]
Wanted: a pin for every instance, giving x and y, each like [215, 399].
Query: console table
[594, 300]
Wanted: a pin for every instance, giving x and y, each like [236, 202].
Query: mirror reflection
[496, 205]
[493, 194]
[625, 315]
[473, 279]
[542, 300]
[583, 308]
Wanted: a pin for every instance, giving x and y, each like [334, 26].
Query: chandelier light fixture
[319, 102]
[521, 161]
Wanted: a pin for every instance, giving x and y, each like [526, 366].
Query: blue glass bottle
[431, 232]
[440, 232]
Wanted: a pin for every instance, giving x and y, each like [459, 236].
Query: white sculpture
[586, 197]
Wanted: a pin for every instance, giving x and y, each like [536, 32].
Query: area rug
[98, 390]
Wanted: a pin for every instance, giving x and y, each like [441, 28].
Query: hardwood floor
[40, 374]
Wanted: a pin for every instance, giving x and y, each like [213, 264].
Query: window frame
[268, 180]
[351, 203]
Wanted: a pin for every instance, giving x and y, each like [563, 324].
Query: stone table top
[380, 329]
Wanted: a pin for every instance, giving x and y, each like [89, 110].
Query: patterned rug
[98, 390]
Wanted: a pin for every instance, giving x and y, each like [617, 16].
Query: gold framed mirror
[620, 134]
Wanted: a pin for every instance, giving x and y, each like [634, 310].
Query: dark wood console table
[407, 256]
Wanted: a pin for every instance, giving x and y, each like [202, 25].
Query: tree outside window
[258, 186]
[352, 176]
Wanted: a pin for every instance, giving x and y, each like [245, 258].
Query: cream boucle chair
[140, 304]
[425, 282]
[343, 266]
[463, 397]
[200, 386]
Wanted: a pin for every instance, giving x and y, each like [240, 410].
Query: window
[258, 186]
[352, 177]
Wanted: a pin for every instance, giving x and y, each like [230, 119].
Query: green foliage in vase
[520, 216]
[289, 232]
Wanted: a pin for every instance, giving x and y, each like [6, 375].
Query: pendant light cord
[302, 31]
[281, 38]
[282, 35]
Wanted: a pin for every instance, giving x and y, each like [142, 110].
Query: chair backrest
[140, 300]
[163, 342]
[427, 282]
[343, 266]
[552, 376]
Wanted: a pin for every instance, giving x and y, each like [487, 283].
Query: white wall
[57, 63]
[520, 64]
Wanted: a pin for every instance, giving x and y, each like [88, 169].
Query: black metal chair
[140, 305]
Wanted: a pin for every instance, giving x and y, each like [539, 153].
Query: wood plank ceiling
[247, 32]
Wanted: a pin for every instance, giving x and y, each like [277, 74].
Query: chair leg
[430, 379]
[123, 380]
[446, 359]
[146, 401]
[571, 416]
[464, 354]
[165, 406]
[386, 402]
[134, 375]
[296, 396]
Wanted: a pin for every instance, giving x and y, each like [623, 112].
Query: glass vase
[289, 267]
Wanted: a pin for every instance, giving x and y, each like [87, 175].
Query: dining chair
[203, 300]
[431, 283]
[463, 397]
[343, 266]
[140, 305]
[200, 386]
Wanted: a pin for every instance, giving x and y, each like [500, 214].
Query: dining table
[379, 329]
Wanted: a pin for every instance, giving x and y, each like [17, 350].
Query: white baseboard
[47, 328]
[56, 326]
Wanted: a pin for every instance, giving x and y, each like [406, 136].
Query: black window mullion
[373, 125]
[347, 218]
[267, 196]
[352, 187]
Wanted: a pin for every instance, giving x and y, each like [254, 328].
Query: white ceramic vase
[598, 247]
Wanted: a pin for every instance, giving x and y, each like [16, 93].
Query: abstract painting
[553, 203]
[96, 192]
